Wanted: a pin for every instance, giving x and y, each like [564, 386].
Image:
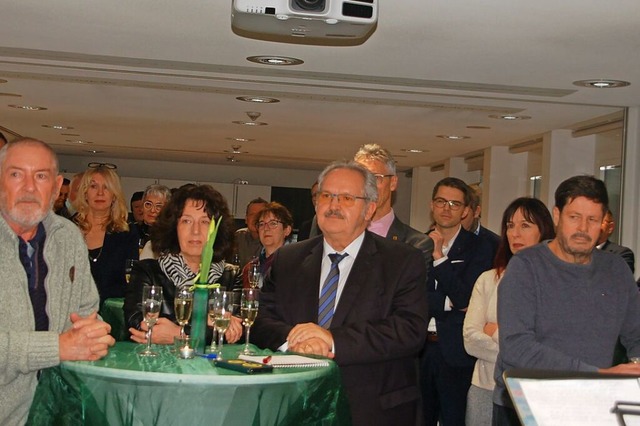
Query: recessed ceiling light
[509, 117]
[453, 137]
[601, 83]
[240, 139]
[93, 151]
[258, 99]
[479, 127]
[57, 127]
[232, 159]
[14, 95]
[70, 134]
[28, 107]
[249, 123]
[79, 141]
[235, 149]
[412, 150]
[275, 60]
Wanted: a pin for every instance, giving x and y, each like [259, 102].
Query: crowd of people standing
[421, 324]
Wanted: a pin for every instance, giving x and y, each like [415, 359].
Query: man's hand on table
[88, 339]
[310, 338]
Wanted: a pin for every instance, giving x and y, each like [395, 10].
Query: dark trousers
[444, 388]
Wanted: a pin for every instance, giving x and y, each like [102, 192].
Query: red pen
[266, 360]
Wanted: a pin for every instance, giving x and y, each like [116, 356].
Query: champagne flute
[255, 275]
[249, 305]
[183, 304]
[220, 311]
[151, 302]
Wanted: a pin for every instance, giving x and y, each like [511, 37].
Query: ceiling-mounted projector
[305, 19]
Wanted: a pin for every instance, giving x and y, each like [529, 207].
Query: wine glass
[220, 311]
[255, 275]
[183, 304]
[249, 304]
[151, 302]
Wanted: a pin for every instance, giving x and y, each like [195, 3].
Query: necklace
[95, 259]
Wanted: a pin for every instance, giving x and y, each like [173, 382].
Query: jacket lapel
[357, 279]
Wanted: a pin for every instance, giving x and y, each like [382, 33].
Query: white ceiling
[157, 79]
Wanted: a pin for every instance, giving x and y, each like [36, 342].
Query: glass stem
[220, 340]
[149, 338]
[246, 342]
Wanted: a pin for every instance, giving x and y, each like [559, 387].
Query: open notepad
[288, 361]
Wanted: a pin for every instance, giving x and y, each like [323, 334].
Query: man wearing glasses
[459, 257]
[352, 296]
[385, 223]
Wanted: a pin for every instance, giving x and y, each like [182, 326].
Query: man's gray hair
[33, 142]
[370, 186]
[158, 190]
[373, 151]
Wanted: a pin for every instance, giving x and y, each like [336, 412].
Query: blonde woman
[102, 218]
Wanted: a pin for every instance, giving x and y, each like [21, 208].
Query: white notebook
[287, 361]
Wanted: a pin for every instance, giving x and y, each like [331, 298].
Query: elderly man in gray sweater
[48, 300]
[562, 305]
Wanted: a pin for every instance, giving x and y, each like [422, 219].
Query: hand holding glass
[151, 303]
[220, 312]
[183, 304]
[249, 304]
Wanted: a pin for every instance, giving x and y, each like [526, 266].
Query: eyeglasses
[148, 205]
[380, 177]
[453, 205]
[346, 200]
[109, 166]
[272, 224]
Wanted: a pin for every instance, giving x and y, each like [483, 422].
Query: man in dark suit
[385, 223]
[471, 222]
[459, 258]
[606, 229]
[378, 325]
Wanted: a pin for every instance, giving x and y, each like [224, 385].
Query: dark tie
[329, 291]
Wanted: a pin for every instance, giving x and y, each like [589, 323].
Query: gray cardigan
[70, 288]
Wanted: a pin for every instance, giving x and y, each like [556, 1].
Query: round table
[126, 389]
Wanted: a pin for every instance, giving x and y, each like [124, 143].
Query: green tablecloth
[125, 389]
[112, 313]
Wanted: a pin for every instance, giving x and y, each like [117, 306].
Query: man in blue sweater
[562, 304]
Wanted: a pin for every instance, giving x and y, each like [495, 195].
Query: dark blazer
[623, 251]
[108, 267]
[402, 232]
[469, 256]
[491, 237]
[378, 328]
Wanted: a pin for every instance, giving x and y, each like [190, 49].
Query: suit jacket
[491, 237]
[469, 257]
[402, 232]
[379, 325]
[623, 251]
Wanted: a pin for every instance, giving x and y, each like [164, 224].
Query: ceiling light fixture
[253, 115]
[249, 123]
[601, 83]
[93, 151]
[479, 127]
[28, 107]
[258, 99]
[412, 150]
[453, 137]
[79, 141]
[275, 60]
[240, 139]
[232, 159]
[509, 117]
[235, 149]
[57, 127]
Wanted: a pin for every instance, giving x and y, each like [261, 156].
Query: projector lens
[309, 5]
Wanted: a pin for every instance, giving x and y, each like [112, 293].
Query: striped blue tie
[329, 291]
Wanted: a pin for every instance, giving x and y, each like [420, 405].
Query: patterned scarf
[176, 269]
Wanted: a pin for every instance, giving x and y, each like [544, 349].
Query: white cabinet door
[244, 194]
[226, 189]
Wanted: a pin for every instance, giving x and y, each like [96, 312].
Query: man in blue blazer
[606, 229]
[459, 257]
[378, 323]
